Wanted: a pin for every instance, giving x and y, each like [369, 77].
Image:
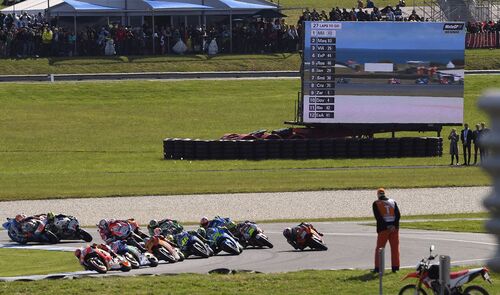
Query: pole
[381, 269]
[230, 30]
[153, 37]
[74, 25]
[48, 9]
[444, 274]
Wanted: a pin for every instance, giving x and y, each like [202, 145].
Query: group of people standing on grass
[468, 138]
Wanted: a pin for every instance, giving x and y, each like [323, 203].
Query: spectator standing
[482, 150]
[46, 40]
[475, 140]
[387, 214]
[453, 137]
[466, 137]
[370, 4]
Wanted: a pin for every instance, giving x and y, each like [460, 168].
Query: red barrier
[481, 40]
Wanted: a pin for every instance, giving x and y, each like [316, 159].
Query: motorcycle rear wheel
[471, 290]
[410, 290]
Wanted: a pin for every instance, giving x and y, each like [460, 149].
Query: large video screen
[383, 72]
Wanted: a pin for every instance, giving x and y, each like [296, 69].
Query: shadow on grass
[364, 277]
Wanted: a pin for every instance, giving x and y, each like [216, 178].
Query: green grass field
[34, 262]
[475, 60]
[104, 139]
[304, 282]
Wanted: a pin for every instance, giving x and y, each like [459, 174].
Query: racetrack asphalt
[351, 245]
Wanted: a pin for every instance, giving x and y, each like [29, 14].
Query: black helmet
[287, 233]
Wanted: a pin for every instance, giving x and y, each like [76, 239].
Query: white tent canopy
[100, 7]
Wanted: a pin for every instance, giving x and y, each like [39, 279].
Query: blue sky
[398, 35]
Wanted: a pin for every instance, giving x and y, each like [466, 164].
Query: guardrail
[171, 76]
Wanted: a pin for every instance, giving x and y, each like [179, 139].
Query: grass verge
[304, 282]
[478, 59]
[470, 226]
[104, 139]
[15, 262]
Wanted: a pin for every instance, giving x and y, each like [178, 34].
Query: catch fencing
[482, 40]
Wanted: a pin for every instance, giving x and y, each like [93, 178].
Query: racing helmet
[204, 221]
[20, 217]
[78, 253]
[50, 216]
[102, 225]
[201, 231]
[153, 223]
[287, 233]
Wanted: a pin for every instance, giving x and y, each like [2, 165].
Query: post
[230, 30]
[381, 269]
[47, 16]
[153, 36]
[74, 25]
[490, 103]
[444, 274]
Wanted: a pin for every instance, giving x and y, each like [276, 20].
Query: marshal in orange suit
[387, 214]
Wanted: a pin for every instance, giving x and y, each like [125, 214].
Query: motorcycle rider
[387, 214]
[167, 226]
[244, 231]
[80, 253]
[112, 230]
[218, 222]
[296, 236]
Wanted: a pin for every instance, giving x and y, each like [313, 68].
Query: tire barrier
[325, 148]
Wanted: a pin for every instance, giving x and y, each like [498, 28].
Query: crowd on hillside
[485, 26]
[26, 35]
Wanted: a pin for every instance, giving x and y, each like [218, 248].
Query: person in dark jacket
[453, 137]
[387, 214]
[475, 140]
[466, 138]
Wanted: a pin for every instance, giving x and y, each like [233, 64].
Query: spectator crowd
[24, 35]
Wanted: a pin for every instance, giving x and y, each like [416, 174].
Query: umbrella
[268, 13]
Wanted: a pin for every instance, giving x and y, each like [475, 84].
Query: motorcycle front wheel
[96, 264]
[162, 254]
[471, 290]
[317, 245]
[411, 290]
[85, 236]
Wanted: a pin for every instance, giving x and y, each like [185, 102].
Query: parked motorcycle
[101, 261]
[190, 244]
[252, 235]
[134, 255]
[221, 240]
[67, 228]
[24, 232]
[427, 275]
[160, 247]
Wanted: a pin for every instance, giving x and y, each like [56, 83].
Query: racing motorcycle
[67, 228]
[126, 231]
[221, 240]
[24, 232]
[101, 261]
[190, 244]
[250, 234]
[134, 255]
[310, 237]
[160, 247]
[427, 275]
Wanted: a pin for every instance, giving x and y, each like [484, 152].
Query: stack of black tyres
[327, 148]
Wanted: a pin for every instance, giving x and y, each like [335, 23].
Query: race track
[351, 245]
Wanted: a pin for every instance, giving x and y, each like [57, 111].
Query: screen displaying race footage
[383, 72]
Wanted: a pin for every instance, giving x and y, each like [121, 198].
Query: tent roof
[85, 6]
[235, 4]
[155, 5]
[69, 6]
